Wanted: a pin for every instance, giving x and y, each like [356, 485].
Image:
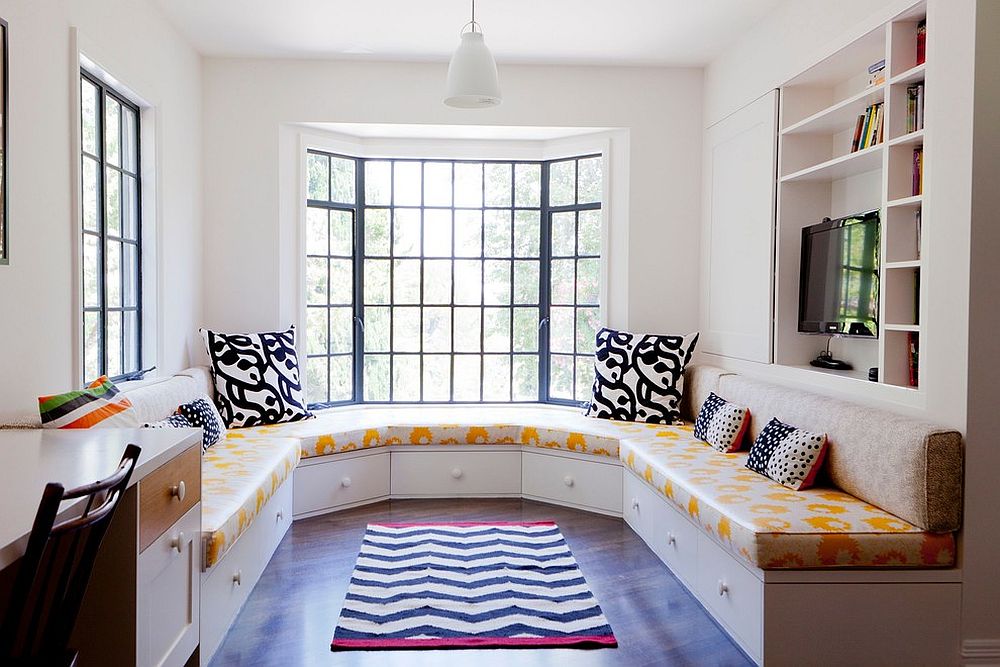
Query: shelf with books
[844, 166]
[840, 116]
[900, 365]
[911, 139]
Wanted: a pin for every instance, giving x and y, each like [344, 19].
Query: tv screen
[838, 276]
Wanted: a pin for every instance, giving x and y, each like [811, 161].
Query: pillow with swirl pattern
[639, 377]
[256, 377]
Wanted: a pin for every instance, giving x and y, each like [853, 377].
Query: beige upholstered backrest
[904, 466]
[699, 381]
[158, 398]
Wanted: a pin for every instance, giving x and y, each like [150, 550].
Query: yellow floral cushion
[769, 525]
[239, 475]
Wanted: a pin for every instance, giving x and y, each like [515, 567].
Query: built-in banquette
[872, 546]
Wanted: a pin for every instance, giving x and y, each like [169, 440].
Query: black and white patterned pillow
[173, 421]
[639, 377]
[721, 424]
[256, 377]
[788, 455]
[201, 413]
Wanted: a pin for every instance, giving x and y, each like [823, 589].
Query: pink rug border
[465, 524]
[539, 642]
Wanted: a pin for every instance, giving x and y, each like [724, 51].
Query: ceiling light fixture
[472, 72]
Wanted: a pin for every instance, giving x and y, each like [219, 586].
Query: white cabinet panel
[588, 484]
[429, 473]
[340, 481]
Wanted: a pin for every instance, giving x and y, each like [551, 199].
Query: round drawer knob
[178, 543]
[179, 491]
[723, 588]
[635, 504]
[281, 515]
[671, 539]
[238, 577]
[346, 482]
[456, 472]
[568, 480]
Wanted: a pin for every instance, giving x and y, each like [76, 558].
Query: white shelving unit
[819, 176]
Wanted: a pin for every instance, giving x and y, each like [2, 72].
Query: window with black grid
[112, 233]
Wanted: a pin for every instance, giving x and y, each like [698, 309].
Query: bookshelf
[822, 174]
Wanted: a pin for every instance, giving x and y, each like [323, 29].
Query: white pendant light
[472, 72]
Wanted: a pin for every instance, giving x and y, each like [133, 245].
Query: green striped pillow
[98, 405]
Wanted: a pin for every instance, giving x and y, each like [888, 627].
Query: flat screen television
[839, 277]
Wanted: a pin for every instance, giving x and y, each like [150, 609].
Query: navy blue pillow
[201, 413]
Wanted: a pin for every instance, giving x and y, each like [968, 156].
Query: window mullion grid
[359, 279]
[420, 305]
[103, 231]
[392, 275]
[451, 375]
[544, 295]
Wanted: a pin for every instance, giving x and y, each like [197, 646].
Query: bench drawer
[664, 529]
[430, 473]
[732, 593]
[339, 482]
[568, 481]
[168, 493]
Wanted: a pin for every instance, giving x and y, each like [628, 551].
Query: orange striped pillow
[99, 405]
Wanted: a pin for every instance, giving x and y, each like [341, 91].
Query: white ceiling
[592, 32]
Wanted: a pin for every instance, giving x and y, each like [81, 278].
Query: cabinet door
[737, 272]
[169, 589]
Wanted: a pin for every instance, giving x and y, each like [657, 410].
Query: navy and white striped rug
[468, 585]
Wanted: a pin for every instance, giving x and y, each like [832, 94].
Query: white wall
[246, 102]
[132, 40]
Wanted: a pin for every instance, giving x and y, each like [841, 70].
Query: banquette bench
[794, 577]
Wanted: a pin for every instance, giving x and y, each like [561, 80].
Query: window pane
[130, 330]
[584, 378]
[316, 331]
[88, 116]
[525, 329]
[341, 330]
[130, 141]
[563, 281]
[437, 330]
[113, 274]
[528, 179]
[468, 233]
[496, 290]
[378, 183]
[317, 281]
[437, 233]
[91, 271]
[590, 233]
[343, 180]
[562, 183]
[91, 187]
[377, 320]
[317, 232]
[588, 281]
[561, 336]
[496, 373]
[468, 281]
[437, 184]
[113, 343]
[342, 233]
[563, 234]
[376, 281]
[561, 378]
[376, 377]
[525, 386]
[406, 330]
[112, 131]
[437, 377]
[112, 202]
[130, 275]
[406, 377]
[91, 346]
[317, 379]
[498, 184]
[318, 167]
[377, 232]
[437, 281]
[467, 384]
[405, 232]
[496, 330]
[406, 184]
[341, 378]
[527, 234]
[590, 180]
[467, 329]
[498, 238]
[526, 282]
[406, 281]
[130, 208]
[588, 321]
[468, 185]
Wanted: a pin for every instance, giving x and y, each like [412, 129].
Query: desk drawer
[456, 473]
[167, 493]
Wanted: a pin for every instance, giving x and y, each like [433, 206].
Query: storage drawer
[570, 481]
[168, 493]
[274, 521]
[340, 481]
[665, 530]
[430, 473]
[733, 594]
[169, 578]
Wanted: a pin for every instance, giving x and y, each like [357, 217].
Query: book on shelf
[915, 107]
[919, 231]
[918, 170]
[869, 128]
[913, 356]
[876, 73]
[922, 42]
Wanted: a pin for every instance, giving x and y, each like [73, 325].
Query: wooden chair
[53, 574]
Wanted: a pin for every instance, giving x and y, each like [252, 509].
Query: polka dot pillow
[202, 413]
[788, 455]
[721, 424]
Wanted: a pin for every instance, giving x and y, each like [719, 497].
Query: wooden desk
[152, 546]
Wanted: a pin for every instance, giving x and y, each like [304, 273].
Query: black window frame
[105, 91]
[545, 212]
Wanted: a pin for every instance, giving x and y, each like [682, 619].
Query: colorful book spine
[858, 127]
[913, 357]
[918, 170]
[922, 42]
[919, 231]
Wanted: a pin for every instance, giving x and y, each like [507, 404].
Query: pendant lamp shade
[472, 75]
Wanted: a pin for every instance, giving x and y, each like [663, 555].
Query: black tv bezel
[838, 328]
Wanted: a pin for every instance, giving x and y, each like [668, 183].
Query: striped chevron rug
[468, 585]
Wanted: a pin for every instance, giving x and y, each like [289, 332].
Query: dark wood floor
[290, 616]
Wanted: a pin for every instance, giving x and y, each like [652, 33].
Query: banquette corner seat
[886, 512]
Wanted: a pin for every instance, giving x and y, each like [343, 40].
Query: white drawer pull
[671, 539]
[179, 491]
[456, 472]
[723, 588]
[238, 577]
[346, 482]
[178, 543]
[635, 504]
[568, 480]
[281, 515]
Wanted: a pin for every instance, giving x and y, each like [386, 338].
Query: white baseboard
[981, 650]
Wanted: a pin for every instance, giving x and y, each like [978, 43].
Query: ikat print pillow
[256, 377]
[721, 424]
[201, 413]
[788, 455]
[639, 377]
